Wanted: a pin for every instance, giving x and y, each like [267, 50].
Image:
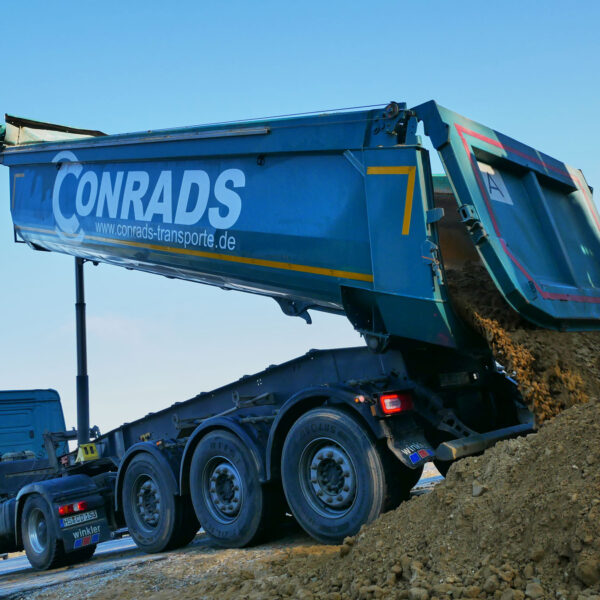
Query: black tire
[333, 475]
[189, 526]
[399, 480]
[42, 545]
[228, 497]
[157, 519]
[79, 556]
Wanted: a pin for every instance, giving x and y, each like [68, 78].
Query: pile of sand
[555, 370]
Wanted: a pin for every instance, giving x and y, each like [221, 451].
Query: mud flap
[411, 449]
[91, 528]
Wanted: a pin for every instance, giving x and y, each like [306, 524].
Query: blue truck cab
[24, 416]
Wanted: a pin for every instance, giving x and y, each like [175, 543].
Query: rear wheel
[157, 519]
[230, 502]
[43, 547]
[333, 475]
[189, 525]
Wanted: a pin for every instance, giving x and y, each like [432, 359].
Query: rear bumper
[473, 444]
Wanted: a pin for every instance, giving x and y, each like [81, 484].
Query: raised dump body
[335, 212]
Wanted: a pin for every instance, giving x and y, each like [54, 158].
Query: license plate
[78, 519]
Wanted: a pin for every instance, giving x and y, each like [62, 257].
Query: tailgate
[531, 217]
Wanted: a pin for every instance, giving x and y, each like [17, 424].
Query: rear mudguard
[226, 424]
[166, 462]
[305, 400]
[407, 442]
[63, 490]
[405, 439]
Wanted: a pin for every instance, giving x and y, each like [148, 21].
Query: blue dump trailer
[338, 212]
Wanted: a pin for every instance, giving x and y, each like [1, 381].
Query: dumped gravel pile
[554, 369]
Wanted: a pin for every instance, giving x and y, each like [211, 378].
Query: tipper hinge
[470, 218]
[468, 214]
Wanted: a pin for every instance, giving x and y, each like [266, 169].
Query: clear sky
[529, 69]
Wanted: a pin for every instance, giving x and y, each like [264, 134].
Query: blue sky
[528, 69]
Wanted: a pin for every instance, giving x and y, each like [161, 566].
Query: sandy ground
[165, 575]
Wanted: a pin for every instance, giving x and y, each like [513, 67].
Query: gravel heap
[555, 369]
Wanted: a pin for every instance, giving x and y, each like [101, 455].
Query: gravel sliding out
[555, 369]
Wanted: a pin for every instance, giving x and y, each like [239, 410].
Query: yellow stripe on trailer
[410, 189]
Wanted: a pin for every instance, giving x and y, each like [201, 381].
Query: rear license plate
[78, 519]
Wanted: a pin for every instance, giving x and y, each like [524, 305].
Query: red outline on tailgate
[548, 295]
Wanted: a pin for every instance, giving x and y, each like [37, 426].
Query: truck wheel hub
[331, 475]
[148, 502]
[37, 531]
[224, 489]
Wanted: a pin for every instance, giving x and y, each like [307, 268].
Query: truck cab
[24, 416]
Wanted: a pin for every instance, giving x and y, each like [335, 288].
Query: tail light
[68, 509]
[395, 403]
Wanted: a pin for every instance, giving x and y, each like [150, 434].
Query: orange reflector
[395, 403]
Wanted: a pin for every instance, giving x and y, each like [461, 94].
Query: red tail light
[395, 403]
[67, 509]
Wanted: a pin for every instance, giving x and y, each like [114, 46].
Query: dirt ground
[181, 574]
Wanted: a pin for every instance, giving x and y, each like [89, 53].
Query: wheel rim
[222, 489]
[328, 477]
[146, 502]
[37, 531]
